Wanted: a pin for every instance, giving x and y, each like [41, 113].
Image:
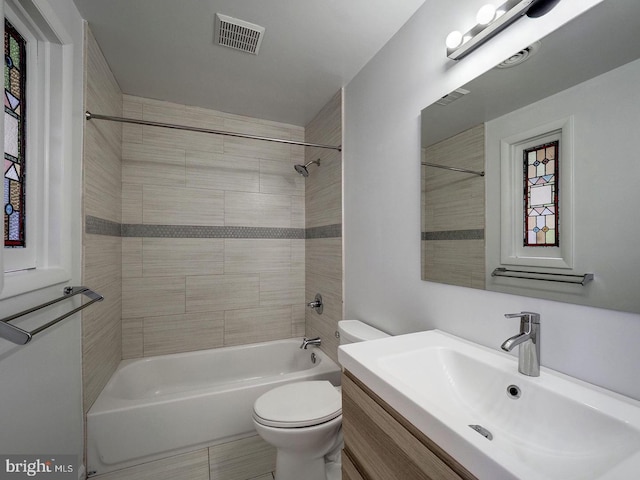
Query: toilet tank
[352, 331]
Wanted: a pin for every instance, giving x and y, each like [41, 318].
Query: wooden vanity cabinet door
[381, 448]
[349, 470]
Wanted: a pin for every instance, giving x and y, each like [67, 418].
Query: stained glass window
[541, 195]
[14, 137]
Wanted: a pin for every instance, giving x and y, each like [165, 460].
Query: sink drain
[513, 391]
[482, 431]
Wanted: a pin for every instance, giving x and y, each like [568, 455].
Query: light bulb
[454, 39]
[486, 14]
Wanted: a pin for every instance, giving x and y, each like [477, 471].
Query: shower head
[302, 169]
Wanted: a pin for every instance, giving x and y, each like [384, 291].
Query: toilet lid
[300, 404]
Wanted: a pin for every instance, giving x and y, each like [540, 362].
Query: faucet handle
[316, 304]
[531, 317]
[528, 318]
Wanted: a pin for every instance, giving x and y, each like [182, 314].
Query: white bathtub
[159, 406]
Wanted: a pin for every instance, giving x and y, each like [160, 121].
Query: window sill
[17, 283]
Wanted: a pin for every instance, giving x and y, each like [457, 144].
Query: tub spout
[310, 341]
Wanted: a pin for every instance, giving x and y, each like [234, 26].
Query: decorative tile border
[325, 231]
[454, 235]
[196, 231]
[99, 226]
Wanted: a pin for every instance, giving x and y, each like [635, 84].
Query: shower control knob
[316, 304]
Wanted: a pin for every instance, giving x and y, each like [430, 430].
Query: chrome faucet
[310, 341]
[529, 342]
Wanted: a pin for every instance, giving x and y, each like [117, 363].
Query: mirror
[582, 82]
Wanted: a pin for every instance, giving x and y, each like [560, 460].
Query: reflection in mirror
[453, 210]
[580, 84]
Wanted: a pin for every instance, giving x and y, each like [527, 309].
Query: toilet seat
[300, 404]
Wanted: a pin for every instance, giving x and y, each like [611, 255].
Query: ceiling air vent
[453, 96]
[520, 57]
[233, 33]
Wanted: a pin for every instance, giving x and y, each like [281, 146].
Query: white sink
[547, 427]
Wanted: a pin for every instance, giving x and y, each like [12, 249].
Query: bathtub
[155, 407]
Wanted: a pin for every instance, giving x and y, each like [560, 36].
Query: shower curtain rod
[454, 169]
[95, 116]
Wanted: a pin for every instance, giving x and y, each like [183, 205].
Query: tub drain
[482, 431]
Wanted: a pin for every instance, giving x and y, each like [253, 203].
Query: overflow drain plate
[482, 431]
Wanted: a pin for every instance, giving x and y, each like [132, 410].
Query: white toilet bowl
[303, 420]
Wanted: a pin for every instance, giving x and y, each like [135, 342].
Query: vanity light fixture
[487, 14]
[491, 21]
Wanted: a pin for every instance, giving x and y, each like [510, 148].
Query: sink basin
[498, 423]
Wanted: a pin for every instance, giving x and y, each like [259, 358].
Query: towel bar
[568, 277]
[19, 336]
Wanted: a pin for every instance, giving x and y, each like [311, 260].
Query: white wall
[382, 206]
[40, 383]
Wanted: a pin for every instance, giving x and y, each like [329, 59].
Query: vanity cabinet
[382, 445]
[349, 470]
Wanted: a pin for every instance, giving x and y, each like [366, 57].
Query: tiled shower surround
[323, 207]
[201, 241]
[196, 274]
[102, 253]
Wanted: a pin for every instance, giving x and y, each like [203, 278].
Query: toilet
[303, 420]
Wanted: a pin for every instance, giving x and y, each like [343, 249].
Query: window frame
[512, 248]
[49, 200]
